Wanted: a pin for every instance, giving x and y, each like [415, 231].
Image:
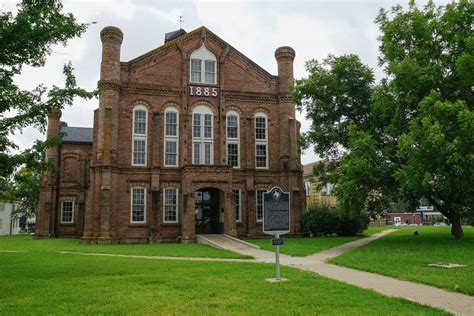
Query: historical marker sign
[276, 212]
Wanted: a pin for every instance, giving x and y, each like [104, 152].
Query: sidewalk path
[456, 303]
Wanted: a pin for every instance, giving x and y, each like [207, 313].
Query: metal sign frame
[275, 232]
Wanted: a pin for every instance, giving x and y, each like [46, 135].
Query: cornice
[109, 85]
[153, 89]
[141, 88]
[250, 97]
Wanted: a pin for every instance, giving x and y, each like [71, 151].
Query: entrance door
[207, 212]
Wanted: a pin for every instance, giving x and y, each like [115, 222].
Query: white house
[8, 226]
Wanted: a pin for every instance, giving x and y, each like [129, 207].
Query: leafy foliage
[411, 135]
[26, 40]
[324, 221]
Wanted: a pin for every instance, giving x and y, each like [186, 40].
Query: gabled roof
[82, 135]
[162, 50]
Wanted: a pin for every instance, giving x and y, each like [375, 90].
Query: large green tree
[411, 135]
[26, 39]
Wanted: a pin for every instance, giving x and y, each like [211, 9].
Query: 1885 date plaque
[276, 212]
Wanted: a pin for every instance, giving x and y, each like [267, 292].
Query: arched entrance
[209, 211]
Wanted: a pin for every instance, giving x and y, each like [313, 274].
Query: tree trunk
[456, 228]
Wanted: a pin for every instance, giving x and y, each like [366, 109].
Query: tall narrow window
[260, 204]
[236, 195]
[170, 205]
[210, 71]
[195, 70]
[67, 212]
[171, 138]
[202, 135]
[137, 205]
[261, 141]
[203, 66]
[233, 139]
[139, 135]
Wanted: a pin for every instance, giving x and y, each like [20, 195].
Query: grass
[45, 282]
[26, 243]
[406, 256]
[304, 246]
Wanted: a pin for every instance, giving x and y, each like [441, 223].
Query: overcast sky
[256, 28]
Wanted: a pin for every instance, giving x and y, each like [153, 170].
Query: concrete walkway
[456, 303]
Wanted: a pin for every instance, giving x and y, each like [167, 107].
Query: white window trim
[233, 140]
[140, 136]
[73, 207]
[171, 138]
[256, 205]
[240, 206]
[261, 141]
[144, 206]
[203, 54]
[203, 110]
[177, 206]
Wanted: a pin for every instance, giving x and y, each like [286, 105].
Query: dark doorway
[207, 210]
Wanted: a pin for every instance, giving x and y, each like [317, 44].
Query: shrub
[319, 220]
[351, 224]
[323, 221]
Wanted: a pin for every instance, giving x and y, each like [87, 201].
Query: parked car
[413, 224]
[440, 224]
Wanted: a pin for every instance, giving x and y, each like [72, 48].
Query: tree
[26, 39]
[25, 188]
[410, 136]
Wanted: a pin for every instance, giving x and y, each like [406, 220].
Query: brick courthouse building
[186, 139]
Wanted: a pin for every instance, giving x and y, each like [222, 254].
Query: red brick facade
[98, 177]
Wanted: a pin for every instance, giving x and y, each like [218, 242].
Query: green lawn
[304, 246]
[25, 243]
[406, 256]
[45, 282]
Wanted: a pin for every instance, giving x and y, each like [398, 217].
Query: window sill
[138, 225]
[66, 224]
[204, 84]
[170, 224]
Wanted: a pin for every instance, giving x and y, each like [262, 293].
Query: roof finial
[180, 20]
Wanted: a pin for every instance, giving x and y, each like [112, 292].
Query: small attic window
[203, 67]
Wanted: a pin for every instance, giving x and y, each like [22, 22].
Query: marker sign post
[276, 220]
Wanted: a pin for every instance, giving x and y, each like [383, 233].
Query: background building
[186, 139]
[8, 224]
[315, 196]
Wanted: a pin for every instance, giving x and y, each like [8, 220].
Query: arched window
[202, 136]
[233, 139]
[171, 137]
[139, 135]
[261, 141]
[203, 66]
